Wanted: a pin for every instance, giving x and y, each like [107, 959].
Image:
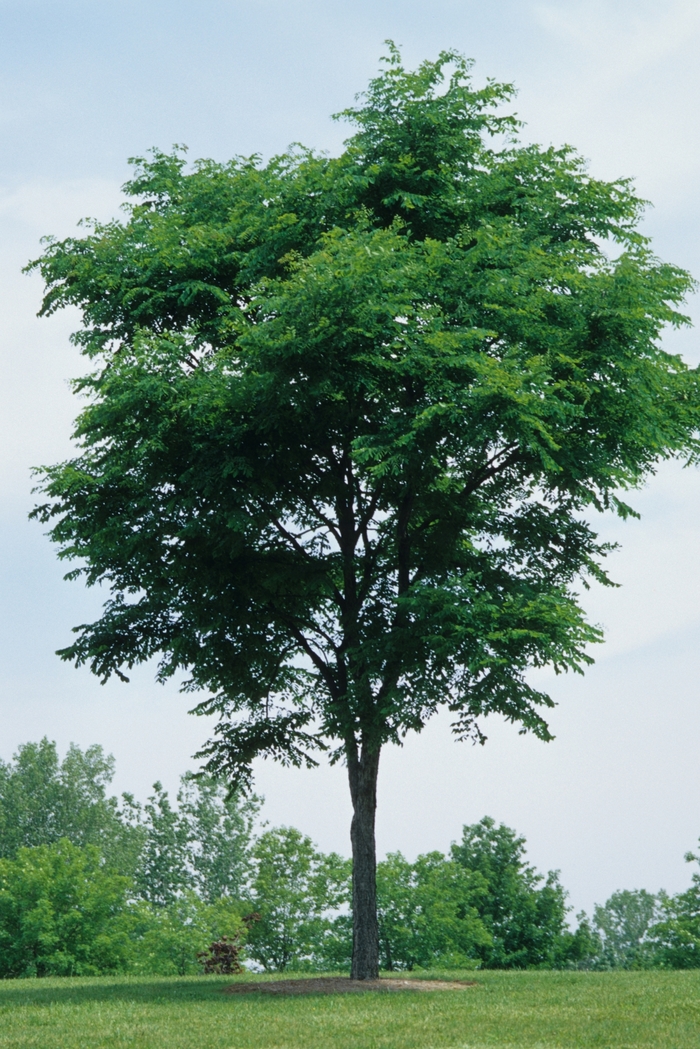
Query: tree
[296, 890]
[675, 938]
[220, 830]
[525, 918]
[346, 424]
[62, 913]
[201, 845]
[579, 949]
[623, 923]
[428, 913]
[163, 874]
[44, 799]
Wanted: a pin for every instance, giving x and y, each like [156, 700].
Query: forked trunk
[365, 931]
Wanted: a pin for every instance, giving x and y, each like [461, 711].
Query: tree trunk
[362, 771]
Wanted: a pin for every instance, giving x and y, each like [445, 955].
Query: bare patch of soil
[344, 985]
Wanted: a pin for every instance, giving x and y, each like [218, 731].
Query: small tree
[222, 956]
[296, 891]
[524, 912]
[346, 423]
[623, 923]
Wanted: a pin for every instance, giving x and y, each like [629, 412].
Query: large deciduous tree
[346, 423]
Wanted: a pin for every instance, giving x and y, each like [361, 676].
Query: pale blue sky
[615, 800]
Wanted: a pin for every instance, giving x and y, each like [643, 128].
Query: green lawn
[530, 1009]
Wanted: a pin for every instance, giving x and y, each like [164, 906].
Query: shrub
[62, 913]
[168, 941]
[222, 956]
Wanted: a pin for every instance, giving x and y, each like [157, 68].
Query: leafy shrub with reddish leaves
[222, 956]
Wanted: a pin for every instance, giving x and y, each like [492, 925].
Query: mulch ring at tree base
[344, 985]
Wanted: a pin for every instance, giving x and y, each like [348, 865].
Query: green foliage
[297, 892]
[675, 938]
[345, 415]
[428, 913]
[623, 924]
[174, 878]
[43, 799]
[220, 830]
[201, 845]
[168, 940]
[580, 949]
[177, 871]
[62, 913]
[162, 874]
[525, 918]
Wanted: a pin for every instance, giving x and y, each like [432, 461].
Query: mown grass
[532, 1010]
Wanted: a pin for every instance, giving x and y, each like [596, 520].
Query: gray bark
[362, 771]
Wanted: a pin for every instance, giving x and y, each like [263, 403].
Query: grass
[516, 1010]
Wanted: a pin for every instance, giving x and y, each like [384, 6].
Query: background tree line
[90, 883]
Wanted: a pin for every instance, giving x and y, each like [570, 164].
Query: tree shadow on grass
[151, 990]
[154, 990]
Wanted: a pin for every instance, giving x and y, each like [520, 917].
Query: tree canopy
[346, 422]
[526, 919]
[44, 799]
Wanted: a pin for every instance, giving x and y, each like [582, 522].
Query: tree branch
[320, 664]
[301, 549]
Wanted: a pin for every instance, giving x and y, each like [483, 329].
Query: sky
[614, 801]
